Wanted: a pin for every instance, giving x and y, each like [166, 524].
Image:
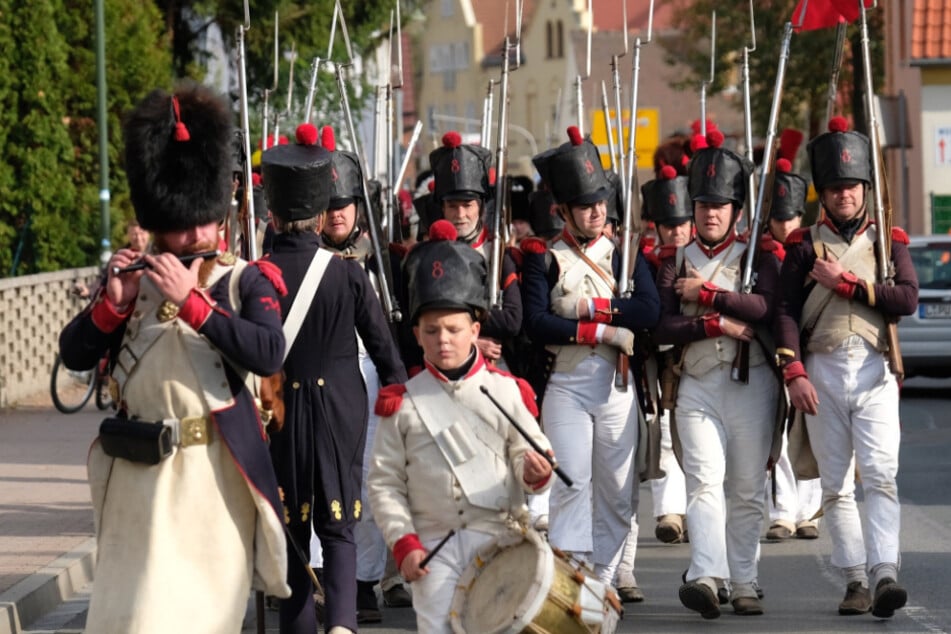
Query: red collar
[480, 240]
[712, 252]
[477, 365]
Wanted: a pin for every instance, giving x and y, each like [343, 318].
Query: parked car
[925, 336]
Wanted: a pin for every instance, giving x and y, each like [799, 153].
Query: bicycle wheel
[70, 389]
[103, 397]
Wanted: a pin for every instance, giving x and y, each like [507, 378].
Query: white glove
[620, 338]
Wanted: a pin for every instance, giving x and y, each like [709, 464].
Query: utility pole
[102, 124]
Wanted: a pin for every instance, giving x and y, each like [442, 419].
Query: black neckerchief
[848, 228]
[347, 243]
[462, 370]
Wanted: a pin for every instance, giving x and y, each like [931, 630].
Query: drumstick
[531, 441]
[432, 553]
[185, 259]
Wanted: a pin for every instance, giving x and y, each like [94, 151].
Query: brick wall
[33, 310]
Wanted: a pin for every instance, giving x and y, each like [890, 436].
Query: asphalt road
[802, 592]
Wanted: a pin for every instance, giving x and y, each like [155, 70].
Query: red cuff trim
[794, 370]
[708, 293]
[404, 546]
[846, 287]
[603, 313]
[587, 332]
[508, 281]
[389, 399]
[536, 486]
[104, 315]
[711, 325]
[196, 309]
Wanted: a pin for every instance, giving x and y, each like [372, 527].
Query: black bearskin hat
[443, 273]
[346, 176]
[461, 171]
[840, 155]
[297, 177]
[573, 171]
[179, 158]
[717, 175]
[789, 193]
[666, 201]
[546, 221]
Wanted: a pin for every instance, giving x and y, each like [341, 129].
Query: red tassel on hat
[181, 132]
[306, 134]
[255, 179]
[838, 124]
[783, 166]
[698, 142]
[443, 230]
[327, 139]
[574, 135]
[715, 138]
[452, 139]
[668, 172]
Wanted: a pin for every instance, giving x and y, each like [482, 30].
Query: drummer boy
[445, 457]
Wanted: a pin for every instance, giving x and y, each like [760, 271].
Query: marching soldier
[420, 488]
[318, 454]
[343, 236]
[839, 376]
[571, 307]
[725, 428]
[462, 190]
[796, 501]
[207, 519]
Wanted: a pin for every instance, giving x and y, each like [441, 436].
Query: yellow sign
[646, 142]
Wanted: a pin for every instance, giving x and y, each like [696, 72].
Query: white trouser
[538, 504]
[593, 429]
[625, 568]
[858, 422]
[432, 594]
[725, 430]
[670, 492]
[371, 547]
[796, 500]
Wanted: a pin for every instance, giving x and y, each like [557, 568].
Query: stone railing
[33, 310]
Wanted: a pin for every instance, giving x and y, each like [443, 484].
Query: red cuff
[537, 485]
[404, 546]
[603, 314]
[587, 332]
[104, 315]
[794, 370]
[846, 287]
[196, 309]
[708, 293]
[711, 325]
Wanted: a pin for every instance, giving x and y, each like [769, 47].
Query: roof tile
[931, 29]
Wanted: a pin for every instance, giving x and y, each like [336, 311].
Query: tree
[807, 72]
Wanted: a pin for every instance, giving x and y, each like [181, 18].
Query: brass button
[296, 385]
[320, 382]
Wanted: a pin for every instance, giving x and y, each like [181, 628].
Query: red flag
[825, 14]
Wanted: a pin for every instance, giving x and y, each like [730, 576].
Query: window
[449, 80]
[447, 8]
[549, 40]
[559, 40]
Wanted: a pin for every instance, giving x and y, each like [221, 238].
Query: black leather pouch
[136, 440]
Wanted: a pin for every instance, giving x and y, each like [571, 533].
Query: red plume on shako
[443, 230]
[327, 139]
[452, 139]
[574, 135]
[668, 172]
[306, 134]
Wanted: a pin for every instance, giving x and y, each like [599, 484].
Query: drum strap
[466, 441]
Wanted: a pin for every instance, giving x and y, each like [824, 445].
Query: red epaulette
[273, 274]
[389, 399]
[528, 394]
[667, 251]
[399, 250]
[534, 245]
[797, 236]
[899, 235]
[768, 243]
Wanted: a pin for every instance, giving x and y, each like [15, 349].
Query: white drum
[519, 584]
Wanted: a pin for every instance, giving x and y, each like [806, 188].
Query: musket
[606, 109]
[836, 66]
[247, 203]
[579, 79]
[748, 111]
[390, 303]
[407, 157]
[292, 58]
[713, 74]
[740, 371]
[268, 91]
[311, 90]
[883, 210]
[501, 152]
[486, 137]
[618, 162]
[629, 196]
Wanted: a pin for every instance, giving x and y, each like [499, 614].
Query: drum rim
[530, 605]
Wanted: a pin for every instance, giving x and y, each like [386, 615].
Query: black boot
[368, 610]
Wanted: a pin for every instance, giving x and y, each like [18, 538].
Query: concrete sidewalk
[46, 526]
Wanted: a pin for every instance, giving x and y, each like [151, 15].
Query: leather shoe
[889, 596]
[368, 610]
[397, 597]
[857, 600]
[779, 531]
[669, 529]
[697, 596]
[807, 530]
[630, 594]
[747, 606]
